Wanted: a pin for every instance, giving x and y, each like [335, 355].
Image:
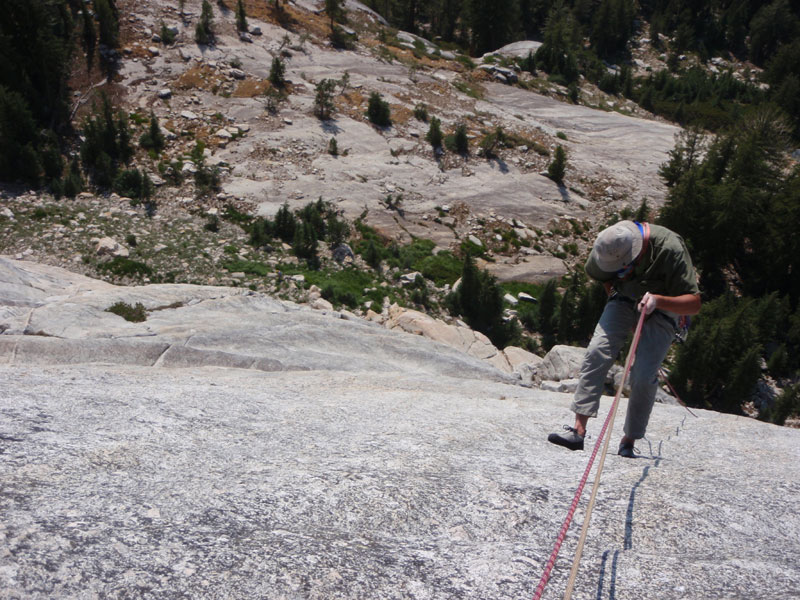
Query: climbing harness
[607, 426]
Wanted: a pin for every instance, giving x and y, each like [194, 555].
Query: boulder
[321, 304]
[562, 362]
[459, 337]
[522, 363]
[343, 252]
[110, 247]
[512, 300]
[410, 278]
[165, 93]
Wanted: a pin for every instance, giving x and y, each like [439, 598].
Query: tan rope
[585, 529]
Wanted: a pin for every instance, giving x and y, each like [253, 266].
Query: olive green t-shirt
[665, 269]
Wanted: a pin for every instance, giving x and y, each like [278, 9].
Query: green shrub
[206, 180]
[466, 61]
[135, 314]
[787, 404]
[204, 31]
[285, 224]
[421, 113]
[212, 224]
[125, 267]
[480, 301]
[323, 99]
[333, 147]
[378, 111]
[492, 141]
[304, 243]
[718, 365]
[558, 167]
[458, 142]
[134, 184]
[261, 232]
[440, 268]
[153, 138]
[434, 135]
[167, 35]
[247, 266]
[346, 286]
[337, 296]
[372, 256]
[341, 39]
[106, 144]
[277, 73]
[241, 16]
[410, 255]
[73, 181]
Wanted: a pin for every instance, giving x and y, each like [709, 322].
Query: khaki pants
[619, 320]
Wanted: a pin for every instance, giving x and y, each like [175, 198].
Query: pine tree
[371, 256]
[154, 138]
[492, 23]
[547, 314]
[241, 16]
[204, 31]
[434, 135]
[277, 73]
[556, 55]
[335, 11]
[107, 23]
[323, 99]
[89, 37]
[460, 139]
[304, 243]
[378, 111]
[285, 224]
[558, 167]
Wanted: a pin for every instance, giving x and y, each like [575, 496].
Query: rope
[607, 425]
[674, 392]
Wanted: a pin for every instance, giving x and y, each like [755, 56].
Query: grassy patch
[471, 90]
[135, 314]
[440, 268]
[248, 266]
[125, 267]
[345, 287]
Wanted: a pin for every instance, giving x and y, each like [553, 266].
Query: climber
[644, 268]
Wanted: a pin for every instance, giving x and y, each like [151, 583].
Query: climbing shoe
[627, 450]
[569, 439]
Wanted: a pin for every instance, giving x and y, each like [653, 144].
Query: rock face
[51, 316]
[142, 482]
[235, 446]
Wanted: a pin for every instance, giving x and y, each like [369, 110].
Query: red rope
[573, 507]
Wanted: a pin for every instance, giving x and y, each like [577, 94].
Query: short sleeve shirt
[665, 269]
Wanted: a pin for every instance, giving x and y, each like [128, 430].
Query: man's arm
[685, 304]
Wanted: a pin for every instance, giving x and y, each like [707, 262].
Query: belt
[619, 297]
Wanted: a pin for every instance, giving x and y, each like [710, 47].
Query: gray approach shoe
[569, 439]
[627, 450]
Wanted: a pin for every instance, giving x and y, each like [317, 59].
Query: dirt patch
[200, 77]
[250, 88]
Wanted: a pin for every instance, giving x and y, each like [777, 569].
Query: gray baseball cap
[617, 246]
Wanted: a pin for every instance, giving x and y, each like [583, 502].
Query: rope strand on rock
[607, 426]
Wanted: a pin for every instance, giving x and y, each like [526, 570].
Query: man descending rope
[643, 268]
